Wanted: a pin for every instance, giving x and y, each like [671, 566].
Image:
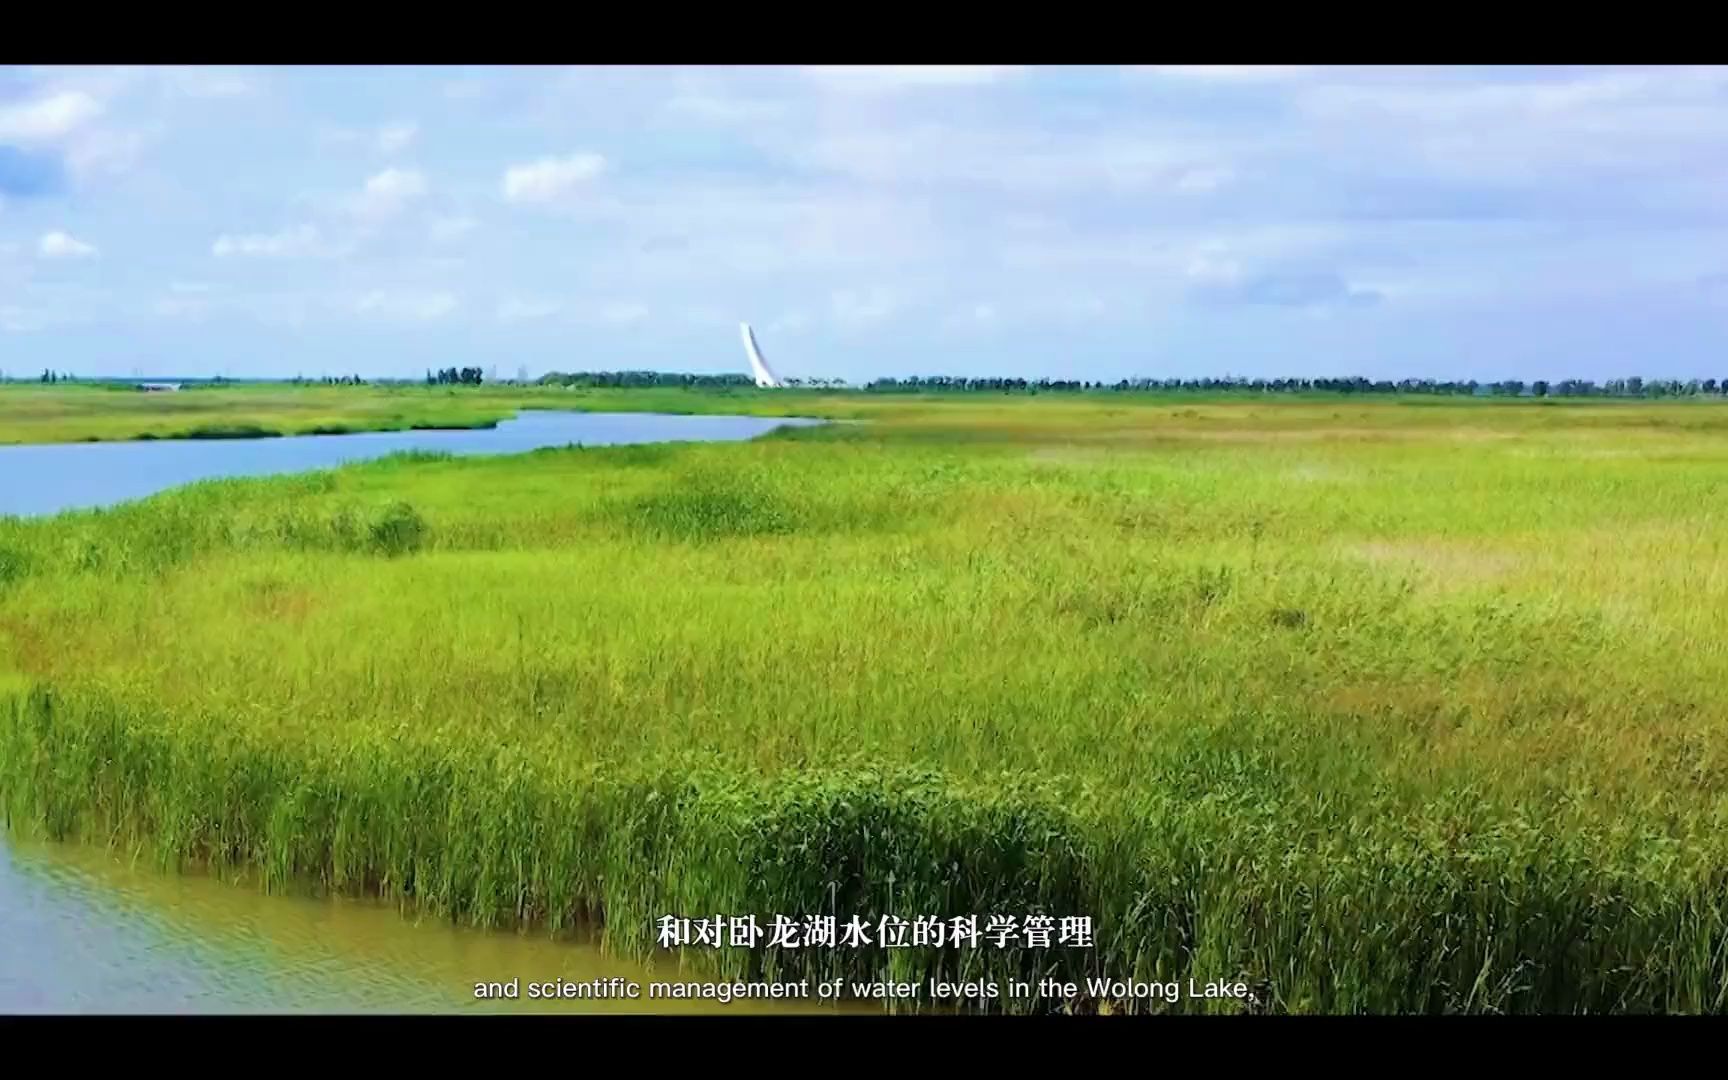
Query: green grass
[34, 413]
[1378, 708]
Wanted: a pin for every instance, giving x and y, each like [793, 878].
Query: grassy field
[1376, 705]
[33, 413]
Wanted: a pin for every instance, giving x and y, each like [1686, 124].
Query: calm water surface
[86, 930]
[45, 478]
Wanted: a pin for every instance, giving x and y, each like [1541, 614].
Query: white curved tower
[758, 366]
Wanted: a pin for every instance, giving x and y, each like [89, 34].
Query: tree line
[468, 376]
[1630, 387]
[673, 379]
[644, 379]
[1633, 387]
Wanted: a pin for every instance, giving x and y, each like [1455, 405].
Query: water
[43, 479]
[85, 930]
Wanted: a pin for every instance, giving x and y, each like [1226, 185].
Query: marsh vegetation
[1377, 705]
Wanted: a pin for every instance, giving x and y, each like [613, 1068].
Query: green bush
[396, 529]
[14, 564]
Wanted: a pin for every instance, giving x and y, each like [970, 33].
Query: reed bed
[1377, 708]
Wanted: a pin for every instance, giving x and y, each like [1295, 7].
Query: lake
[46, 478]
[87, 930]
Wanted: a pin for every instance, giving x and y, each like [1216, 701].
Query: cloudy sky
[1086, 223]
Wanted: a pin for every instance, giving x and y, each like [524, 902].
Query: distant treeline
[643, 378]
[1634, 387]
[662, 378]
[468, 376]
[184, 382]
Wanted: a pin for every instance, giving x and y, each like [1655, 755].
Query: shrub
[397, 529]
[706, 506]
[14, 564]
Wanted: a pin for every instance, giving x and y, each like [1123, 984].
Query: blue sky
[1068, 222]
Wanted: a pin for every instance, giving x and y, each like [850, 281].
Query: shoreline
[273, 410]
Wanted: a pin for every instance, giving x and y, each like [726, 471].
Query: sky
[1086, 223]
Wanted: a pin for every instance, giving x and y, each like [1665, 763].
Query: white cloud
[59, 245]
[300, 241]
[46, 119]
[397, 184]
[66, 116]
[347, 223]
[1660, 122]
[390, 191]
[394, 138]
[386, 140]
[411, 306]
[551, 179]
[104, 151]
[1054, 201]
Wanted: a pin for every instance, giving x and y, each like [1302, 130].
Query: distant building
[158, 387]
